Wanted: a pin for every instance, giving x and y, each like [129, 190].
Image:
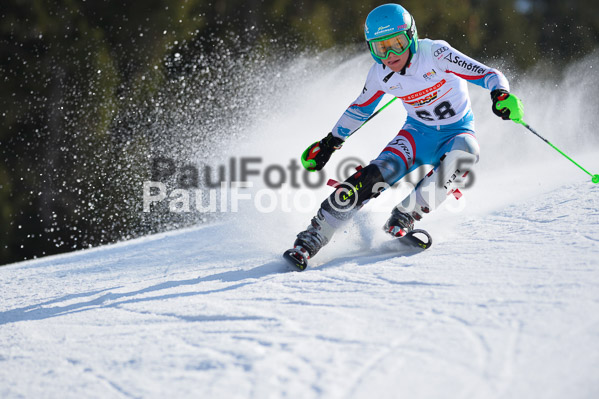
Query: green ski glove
[507, 106]
[319, 153]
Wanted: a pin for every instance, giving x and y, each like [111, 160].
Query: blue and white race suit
[434, 93]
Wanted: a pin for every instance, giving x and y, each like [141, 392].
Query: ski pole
[594, 178]
[376, 113]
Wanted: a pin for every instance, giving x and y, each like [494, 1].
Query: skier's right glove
[319, 153]
[507, 106]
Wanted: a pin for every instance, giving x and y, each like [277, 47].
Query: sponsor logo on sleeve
[469, 66]
[440, 51]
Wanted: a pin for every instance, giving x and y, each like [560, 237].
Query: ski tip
[295, 259]
[418, 238]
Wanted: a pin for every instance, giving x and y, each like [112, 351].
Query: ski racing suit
[439, 129]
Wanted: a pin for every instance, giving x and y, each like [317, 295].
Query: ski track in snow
[506, 305]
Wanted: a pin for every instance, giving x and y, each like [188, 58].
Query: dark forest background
[78, 76]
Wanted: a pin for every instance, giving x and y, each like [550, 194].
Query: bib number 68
[442, 111]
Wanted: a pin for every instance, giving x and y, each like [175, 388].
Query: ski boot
[399, 224]
[309, 241]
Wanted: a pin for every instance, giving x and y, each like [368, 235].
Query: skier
[429, 77]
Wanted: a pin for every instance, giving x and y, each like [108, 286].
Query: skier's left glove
[319, 153]
[507, 106]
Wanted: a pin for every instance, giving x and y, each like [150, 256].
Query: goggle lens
[397, 44]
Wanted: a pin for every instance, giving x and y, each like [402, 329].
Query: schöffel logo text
[465, 64]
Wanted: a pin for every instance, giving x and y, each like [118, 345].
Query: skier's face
[397, 62]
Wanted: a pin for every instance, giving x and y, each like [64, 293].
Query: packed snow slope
[505, 304]
[502, 306]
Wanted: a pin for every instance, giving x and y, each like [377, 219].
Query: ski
[418, 238]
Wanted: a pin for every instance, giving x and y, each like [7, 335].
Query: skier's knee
[468, 144]
[354, 192]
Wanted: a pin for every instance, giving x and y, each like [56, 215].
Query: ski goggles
[397, 45]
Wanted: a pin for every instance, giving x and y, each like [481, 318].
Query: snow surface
[504, 305]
